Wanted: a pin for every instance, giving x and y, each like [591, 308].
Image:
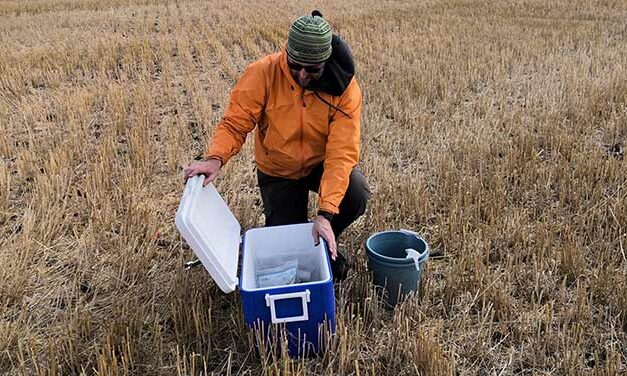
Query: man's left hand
[322, 228]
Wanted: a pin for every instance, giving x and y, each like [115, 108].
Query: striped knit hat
[309, 39]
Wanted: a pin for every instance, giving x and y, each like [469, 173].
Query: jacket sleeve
[245, 108]
[342, 150]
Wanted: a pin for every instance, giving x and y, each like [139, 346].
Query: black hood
[338, 70]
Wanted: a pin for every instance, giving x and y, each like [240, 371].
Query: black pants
[285, 200]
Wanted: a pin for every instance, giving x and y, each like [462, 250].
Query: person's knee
[363, 195]
[358, 194]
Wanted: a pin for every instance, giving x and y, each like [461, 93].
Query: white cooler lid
[211, 230]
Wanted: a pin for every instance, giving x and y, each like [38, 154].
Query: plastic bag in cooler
[286, 270]
[276, 271]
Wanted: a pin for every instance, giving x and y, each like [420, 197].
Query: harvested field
[496, 130]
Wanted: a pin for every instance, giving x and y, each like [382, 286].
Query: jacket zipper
[302, 131]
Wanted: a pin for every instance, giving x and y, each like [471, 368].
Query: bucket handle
[418, 257]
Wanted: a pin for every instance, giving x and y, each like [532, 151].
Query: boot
[342, 264]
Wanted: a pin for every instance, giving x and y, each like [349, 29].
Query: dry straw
[495, 129]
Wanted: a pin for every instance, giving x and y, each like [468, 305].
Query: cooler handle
[271, 302]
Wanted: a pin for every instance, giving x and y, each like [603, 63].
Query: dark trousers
[285, 200]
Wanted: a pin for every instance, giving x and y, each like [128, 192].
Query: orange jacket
[295, 129]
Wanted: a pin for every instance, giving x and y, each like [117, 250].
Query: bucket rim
[396, 260]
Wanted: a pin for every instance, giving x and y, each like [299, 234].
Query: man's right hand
[210, 168]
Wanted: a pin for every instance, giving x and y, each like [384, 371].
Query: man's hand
[209, 168]
[322, 228]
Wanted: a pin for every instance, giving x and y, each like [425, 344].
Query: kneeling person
[304, 104]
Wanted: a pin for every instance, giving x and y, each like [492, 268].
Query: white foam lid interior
[211, 230]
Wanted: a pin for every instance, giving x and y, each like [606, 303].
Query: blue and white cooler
[285, 279]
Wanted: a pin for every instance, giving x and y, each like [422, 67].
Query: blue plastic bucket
[395, 260]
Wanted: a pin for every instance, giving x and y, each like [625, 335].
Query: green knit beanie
[309, 40]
